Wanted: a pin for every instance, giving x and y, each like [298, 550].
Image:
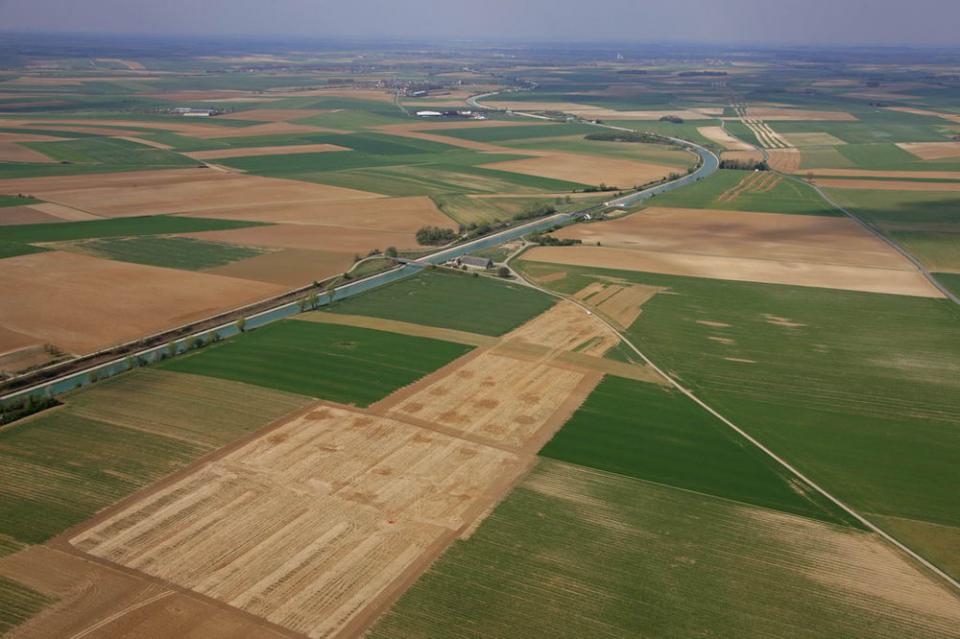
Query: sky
[791, 22]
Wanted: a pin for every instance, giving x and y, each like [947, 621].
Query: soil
[587, 170]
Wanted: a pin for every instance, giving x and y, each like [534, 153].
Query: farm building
[474, 262]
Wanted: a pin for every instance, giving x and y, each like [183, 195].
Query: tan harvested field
[311, 523]
[500, 399]
[14, 152]
[766, 236]
[83, 303]
[271, 115]
[587, 169]
[844, 277]
[567, 327]
[720, 136]
[812, 139]
[621, 303]
[404, 328]
[64, 213]
[218, 154]
[312, 236]
[11, 340]
[386, 214]
[24, 358]
[932, 150]
[785, 114]
[173, 191]
[888, 175]
[952, 117]
[27, 137]
[887, 185]
[288, 267]
[432, 131]
[24, 215]
[96, 601]
[785, 160]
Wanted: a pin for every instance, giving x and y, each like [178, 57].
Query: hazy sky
[791, 22]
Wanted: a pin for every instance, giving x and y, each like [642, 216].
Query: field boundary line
[955, 586]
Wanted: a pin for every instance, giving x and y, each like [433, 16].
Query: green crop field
[473, 210]
[950, 280]
[18, 238]
[171, 252]
[451, 300]
[939, 251]
[16, 200]
[60, 468]
[12, 249]
[640, 152]
[574, 552]
[340, 363]
[18, 603]
[787, 196]
[519, 132]
[860, 391]
[646, 431]
[903, 210]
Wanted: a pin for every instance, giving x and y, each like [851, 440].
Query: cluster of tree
[745, 165]
[535, 210]
[435, 235]
[626, 136]
[29, 406]
[675, 119]
[545, 239]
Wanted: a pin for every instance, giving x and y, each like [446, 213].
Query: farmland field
[855, 389]
[171, 252]
[447, 300]
[339, 363]
[18, 603]
[532, 569]
[653, 433]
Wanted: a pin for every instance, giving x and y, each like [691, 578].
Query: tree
[241, 324]
[503, 271]
[391, 251]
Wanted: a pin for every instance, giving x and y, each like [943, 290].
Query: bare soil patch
[288, 267]
[310, 524]
[887, 185]
[217, 154]
[173, 191]
[12, 341]
[96, 601]
[84, 303]
[720, 136]
[853, 278]
[932, 150]
[404, 328]
[10, 215]
[768, 236]
[620, 303]
[14, 152]
[312, 236]
[385, 214]
[65, 213]
[587, 169]
[888, 175]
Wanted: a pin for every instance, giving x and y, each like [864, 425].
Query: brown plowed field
[14, 152]
[218, 154]
[887, 185]
[24, 215]
[65, 213]
[173, 191]
[888, 175]
[312, 236]
[384, 214]
[740, 234]
[932, 150]
[289, 267]
[852, 278]
[309, 524]
[83, 304]
[586, 169]
[95, 601]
